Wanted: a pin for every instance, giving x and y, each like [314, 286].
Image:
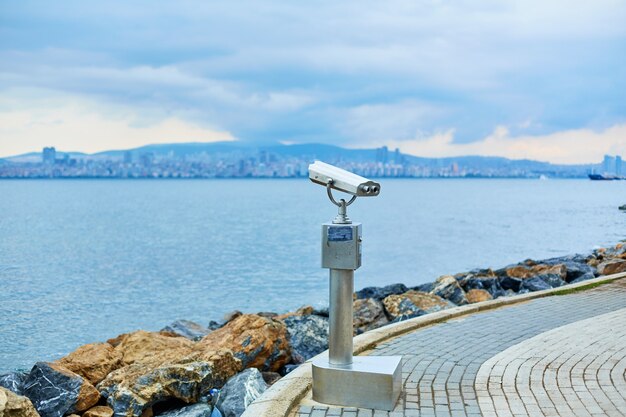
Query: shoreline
[142, 373]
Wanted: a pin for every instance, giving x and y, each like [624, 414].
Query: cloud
[578, 146]
[339, 72]
[75, 124]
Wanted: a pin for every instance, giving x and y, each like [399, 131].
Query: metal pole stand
[343, 379]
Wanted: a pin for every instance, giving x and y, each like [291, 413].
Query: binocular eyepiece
[342, 180]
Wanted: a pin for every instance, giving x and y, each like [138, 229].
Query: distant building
[608, 165]
[618, 166]
[128, 157]
[49, 155]
[382, 155]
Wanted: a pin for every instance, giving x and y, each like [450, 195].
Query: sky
[535, 79]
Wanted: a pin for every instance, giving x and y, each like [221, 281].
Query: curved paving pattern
[441, 362]
[574, 370]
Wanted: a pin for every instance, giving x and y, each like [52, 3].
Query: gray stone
[509, 283]
[490, 284]
[308, 336]
[449, 289]
[428, 287]
[582, 278]
[369, 314]
[535, 284]
[380, 293]
[194, 410]
[553, 280]
[188, 329]
[55, 393]
[14, 381]
[239, 392]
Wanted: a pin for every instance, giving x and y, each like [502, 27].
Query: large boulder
[186, 328]
[576, 266]
[239, 392]
[529, 270]
[194, 410]
[259, 342]
[151, 348]
[508, 284]
[308, 336]
[380, 293]
[448, 288]
[133, 389]
[13, 405]
[612, 267]
[369, 314]
[14, 381]
[56, 391]
[552, 280]
[413, 303]
[535, 284]
[93, 362]
[477, 296]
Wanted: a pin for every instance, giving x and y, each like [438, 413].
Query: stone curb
[280, 398]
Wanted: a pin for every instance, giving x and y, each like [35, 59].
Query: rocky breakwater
[189, 370]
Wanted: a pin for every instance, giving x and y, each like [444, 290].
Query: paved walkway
[555, 356]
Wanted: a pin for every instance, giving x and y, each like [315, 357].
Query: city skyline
[231, 160]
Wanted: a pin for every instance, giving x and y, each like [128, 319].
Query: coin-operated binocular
[340, 378]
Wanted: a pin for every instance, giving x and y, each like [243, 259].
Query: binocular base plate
[369, 382]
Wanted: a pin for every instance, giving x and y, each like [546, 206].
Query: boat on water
[623, 207]
[601, 177]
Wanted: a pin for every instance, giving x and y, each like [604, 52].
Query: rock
[525, 271]
[480, 282]
[552, 280]
[535, 284]
[56, 391]
[271, 378]
[288, 368]
[477, 296]
[583, 278]
[509, 283]
[308, 336]
[188, 329]
[612, 267]
[302, 311]
[99, 411]
[413, 303]
[576, 266]
[427, 287]
[133, 389]
[93, 362]
[380, 293]
[322, 312]
[239, 392]
[213, 325]
[152, 348]
[369, 314]
[448, 288]
[194, 410]
[505, 293]
[13, 405]
[258, 342]
[14, 381]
